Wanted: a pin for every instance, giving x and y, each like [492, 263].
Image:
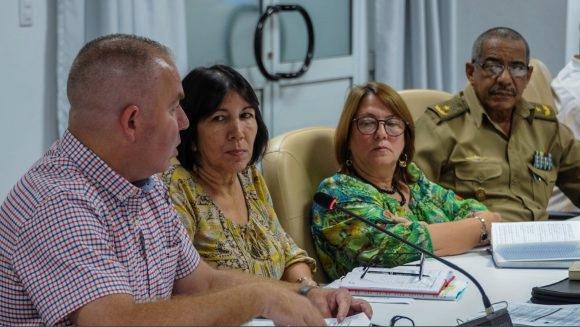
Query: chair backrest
[539, 89]
[294, 165]
[419, 99]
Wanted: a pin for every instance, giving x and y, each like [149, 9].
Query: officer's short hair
[504, 33]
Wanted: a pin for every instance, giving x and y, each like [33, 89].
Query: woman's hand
[396, 219]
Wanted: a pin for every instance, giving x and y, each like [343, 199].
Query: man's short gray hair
[503, 33]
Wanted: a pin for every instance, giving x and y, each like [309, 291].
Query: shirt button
[480, 194]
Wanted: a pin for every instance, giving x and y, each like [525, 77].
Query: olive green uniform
[461, 148]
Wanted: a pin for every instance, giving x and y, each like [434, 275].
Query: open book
[542, 244]
[399, 281]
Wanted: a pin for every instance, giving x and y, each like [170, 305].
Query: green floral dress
[260, 247]
[343, 243]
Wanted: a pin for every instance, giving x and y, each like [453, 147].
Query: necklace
[392, 191]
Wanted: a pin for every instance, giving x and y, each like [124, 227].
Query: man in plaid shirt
[88, 235]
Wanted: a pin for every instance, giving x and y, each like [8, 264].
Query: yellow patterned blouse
[260, 247]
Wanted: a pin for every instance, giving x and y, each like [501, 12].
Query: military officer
[488, 143]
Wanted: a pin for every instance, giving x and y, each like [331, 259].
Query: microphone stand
[492, 318]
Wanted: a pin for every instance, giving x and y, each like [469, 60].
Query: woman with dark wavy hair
[217, 190]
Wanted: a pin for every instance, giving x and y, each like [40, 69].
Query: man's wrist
[306, 281]
[306, 285]
[305, 289]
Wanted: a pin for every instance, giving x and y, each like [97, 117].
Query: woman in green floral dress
[377, 180]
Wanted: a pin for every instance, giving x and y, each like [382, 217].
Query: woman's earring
[403, 162]
[348, 163]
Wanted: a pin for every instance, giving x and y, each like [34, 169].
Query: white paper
[534, 241]
[544, 315]
[535, 232]
[356, 320]
[385, 299]
[360, 319]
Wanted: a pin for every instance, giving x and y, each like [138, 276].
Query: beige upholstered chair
[539, 89]
[418, 100]
[293, 166]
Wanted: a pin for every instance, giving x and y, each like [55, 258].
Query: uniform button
[480, 194]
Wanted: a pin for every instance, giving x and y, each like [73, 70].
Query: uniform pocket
[543, 183]
[473, 179]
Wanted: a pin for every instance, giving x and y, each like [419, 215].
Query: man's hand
[288, 308]
[338, 303]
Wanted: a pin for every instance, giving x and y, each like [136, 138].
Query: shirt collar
[97, 170]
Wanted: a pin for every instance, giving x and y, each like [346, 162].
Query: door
[223, 31]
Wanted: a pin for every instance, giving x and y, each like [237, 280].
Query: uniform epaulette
[449, 109]
[543, 111]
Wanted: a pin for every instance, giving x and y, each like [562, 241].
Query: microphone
[492, 317]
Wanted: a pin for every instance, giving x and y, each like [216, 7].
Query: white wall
[541, 22]
[27, 89]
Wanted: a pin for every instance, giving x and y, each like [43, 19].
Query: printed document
[530, 314]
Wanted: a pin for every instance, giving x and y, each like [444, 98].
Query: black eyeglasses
[369, 125]
[420, 265]
[495, 69]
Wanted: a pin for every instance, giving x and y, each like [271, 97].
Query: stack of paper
[402, 282]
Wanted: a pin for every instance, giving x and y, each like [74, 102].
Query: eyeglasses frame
[481, 64]
[379, 121]
[374, 258]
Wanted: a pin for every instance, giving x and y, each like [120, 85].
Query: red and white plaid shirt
[73, 230]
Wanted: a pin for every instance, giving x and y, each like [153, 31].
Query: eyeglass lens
[369, 125]
[495, 68]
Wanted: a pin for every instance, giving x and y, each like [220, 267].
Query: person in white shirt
[566, 88]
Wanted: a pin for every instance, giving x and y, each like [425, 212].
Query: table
[512, 285]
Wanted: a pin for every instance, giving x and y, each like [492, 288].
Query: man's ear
[529, 75]
[129, 121]
[469, 69]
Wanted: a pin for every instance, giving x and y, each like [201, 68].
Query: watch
[304, 289]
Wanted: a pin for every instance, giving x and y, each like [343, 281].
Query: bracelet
[483, 236]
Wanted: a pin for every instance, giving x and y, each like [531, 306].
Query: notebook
[390, 282]
[565, 291]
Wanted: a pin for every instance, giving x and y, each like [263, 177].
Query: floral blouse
[260, 247]
[343, 243]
